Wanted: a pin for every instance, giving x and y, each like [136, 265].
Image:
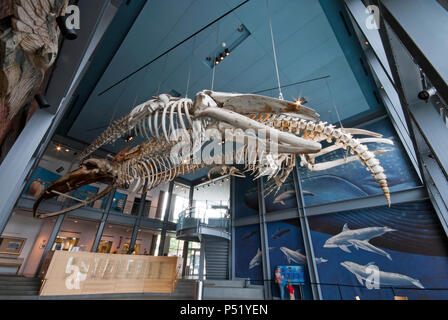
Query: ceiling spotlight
[58, 148]
[227, 52]
[67, 150]
[426, 94]
[224, 44]
[367, 43]
[221, 57]
[217, 61]
[129, 138]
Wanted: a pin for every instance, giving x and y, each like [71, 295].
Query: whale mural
[411, 258]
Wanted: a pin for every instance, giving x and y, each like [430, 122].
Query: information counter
[80, 273]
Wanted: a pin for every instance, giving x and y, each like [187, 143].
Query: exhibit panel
[72, 273]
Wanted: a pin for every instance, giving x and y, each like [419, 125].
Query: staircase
[238, 289]
[216, 257]
[19, 286]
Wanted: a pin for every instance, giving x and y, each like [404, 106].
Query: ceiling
[307, 44]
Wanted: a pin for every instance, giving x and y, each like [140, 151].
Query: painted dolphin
[288, 195]
[359, 239]
[255, 260]
[385, 278]
[280, 233]
[297, 257]
[250, 235]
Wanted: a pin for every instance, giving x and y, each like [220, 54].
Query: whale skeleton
[169, 124]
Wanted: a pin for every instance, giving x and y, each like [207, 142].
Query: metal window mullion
[166, 218]
[306, 236]
[232, 226]
[141, 208]
[99, 233]
[50, 242]
[264, 241]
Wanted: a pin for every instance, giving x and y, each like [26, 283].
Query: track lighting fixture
[227, 52]
[426, 94]
[128, 138]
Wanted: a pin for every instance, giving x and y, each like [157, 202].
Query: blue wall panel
[405, 242]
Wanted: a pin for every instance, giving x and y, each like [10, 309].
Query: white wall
[23, 225]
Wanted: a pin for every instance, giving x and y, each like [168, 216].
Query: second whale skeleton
[165, 122]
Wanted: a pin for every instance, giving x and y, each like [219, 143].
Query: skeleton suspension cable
[275, 52]
[215, 65]
[189, 67]
[163, 71]
[336, 109]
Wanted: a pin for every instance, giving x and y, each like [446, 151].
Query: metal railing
[339, 291]
[195, 218]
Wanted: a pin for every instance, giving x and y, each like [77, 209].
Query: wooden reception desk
[80, 273]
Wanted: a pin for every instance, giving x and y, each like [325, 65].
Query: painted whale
[385, 278]
[297, 256]
[359, 239]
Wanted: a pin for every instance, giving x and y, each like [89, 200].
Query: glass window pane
[180, 201]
